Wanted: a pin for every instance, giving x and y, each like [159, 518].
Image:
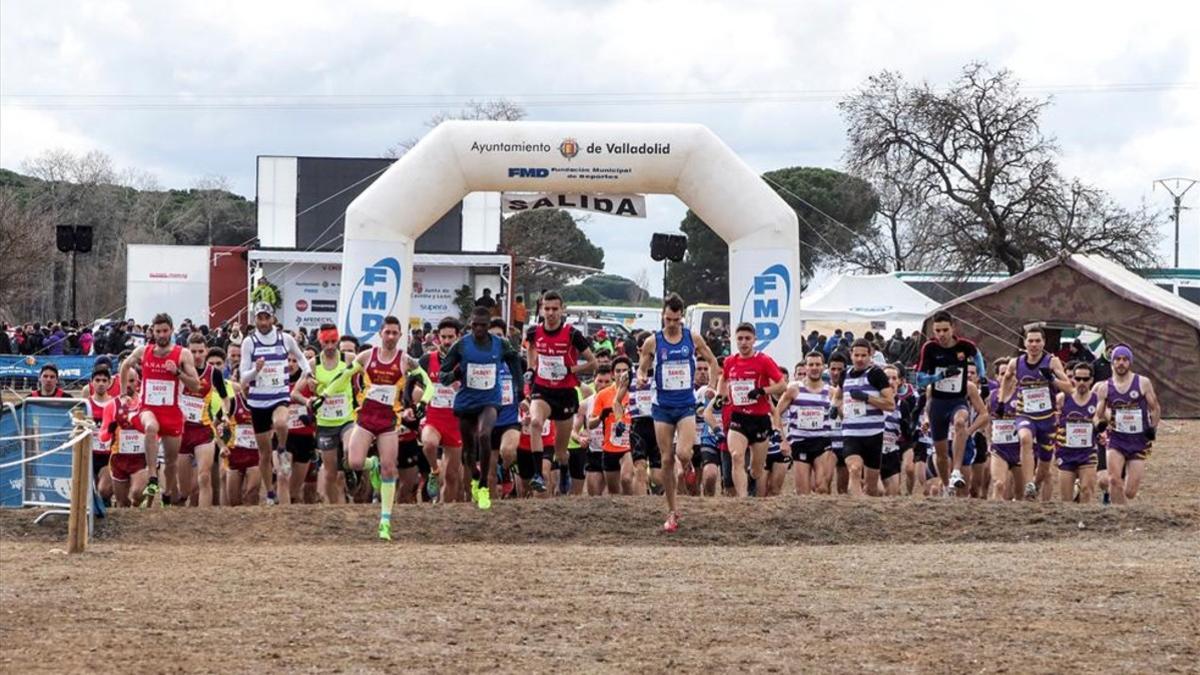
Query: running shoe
[538, 484]
[385, 530]
[956, 479]
[152, 490]
[484, 499]
[431, 485]
[672, 523]
[689, 475]
[1075, 492]
[1031, 490]
[372, 467]
[1106, 499]
[474, 490]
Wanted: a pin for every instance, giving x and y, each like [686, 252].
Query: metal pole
[664, 293]
[1178, 202]
[1177, 194]
[74, 314]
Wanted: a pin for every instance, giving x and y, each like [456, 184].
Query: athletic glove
[984, 390]
[859, 395]
[951, 372]
[306, 420]
[776, 437]
[1151, 433]
[619, 428]
[1101, 427]
[604, 414]
[1047, 373]
[756, 393]
[315, 403]
[834, 412]
[528, 376]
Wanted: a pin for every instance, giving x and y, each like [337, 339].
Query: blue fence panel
[47, 480]
[12, 479]
[21, 372]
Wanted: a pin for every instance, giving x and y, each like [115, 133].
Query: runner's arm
[1061, 381]
[128, 364]
[449, 363]
[1101, 405]
[513, 359]
[784, 401]
[218, 382]
[982, 415]
[1152, 406]
[246, 368]
[1009, 381]
[706, 352]
[293, 348]
[645, 356]
[585, 350]
[187, 371]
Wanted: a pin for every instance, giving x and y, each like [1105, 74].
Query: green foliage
[547, 234]
[582, 295]
[464, 299]
[616, 287]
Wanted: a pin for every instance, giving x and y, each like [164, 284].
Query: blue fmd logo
[767, 303]
[373, 298]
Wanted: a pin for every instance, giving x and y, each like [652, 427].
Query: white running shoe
[956, 479]
[1030, 490]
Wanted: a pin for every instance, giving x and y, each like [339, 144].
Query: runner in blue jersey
[674, 352]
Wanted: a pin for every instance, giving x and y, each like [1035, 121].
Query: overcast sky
[138, 61]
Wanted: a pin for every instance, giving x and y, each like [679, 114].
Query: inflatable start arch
[686, 160]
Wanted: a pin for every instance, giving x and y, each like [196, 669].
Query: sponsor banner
[627, 205]
[376, 285]
[433, 292]
[69, 367]
[309, 293]
[765, 293]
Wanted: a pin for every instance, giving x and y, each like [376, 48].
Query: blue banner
[70, 368]
[46, 480]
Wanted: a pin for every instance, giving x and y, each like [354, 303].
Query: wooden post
[77, 531]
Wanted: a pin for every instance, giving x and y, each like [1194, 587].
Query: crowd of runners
[481, 418]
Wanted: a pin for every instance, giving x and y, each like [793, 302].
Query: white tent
[875, 297]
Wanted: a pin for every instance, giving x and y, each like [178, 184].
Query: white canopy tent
[874, 297]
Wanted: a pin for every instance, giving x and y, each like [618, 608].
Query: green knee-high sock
[387, 495]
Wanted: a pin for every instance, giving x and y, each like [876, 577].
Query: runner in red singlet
[440, 426]
[197, 447]
[101, 383]
[164, 368]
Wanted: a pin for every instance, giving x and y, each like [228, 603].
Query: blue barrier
[17, 371]
[42, 424]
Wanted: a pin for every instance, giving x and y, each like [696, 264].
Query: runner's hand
[259, 364]
[834, 413]
[951, 372]
[756, 393]
[1150, 433]
[170, 367]
[859, 395]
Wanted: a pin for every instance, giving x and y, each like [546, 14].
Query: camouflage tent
[1081, 290]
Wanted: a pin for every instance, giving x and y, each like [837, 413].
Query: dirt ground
[590, 585]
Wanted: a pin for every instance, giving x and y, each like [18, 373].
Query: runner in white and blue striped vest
[264, 370]
[806, 403]
[864, 397]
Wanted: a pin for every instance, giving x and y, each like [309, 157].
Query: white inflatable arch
[686, 160]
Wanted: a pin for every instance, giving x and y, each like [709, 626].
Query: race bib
[1079, 434]
[643, 402]
[101, 446]
[506, 391]
[133, 442]
[295, 410]
[192, 407]
[596, 438]
[1036, 400]
[384, 394]
[1004, 432]
[271, 376]
[1128, 420]
[443, 396]
[852, 408]
[159, 392]
[334, 407]
[739, 391]
[244, 437]
[891, 441]
[949, 385]
[810, 419]
[481, 376]
[621, 441]
[552, 368]
[676, 375]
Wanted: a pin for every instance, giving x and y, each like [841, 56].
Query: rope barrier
[51, 451]
[32, 436]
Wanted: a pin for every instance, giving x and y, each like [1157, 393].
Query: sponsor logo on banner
[767, 303]
[374, 297]
[568, 148]
[628, 205]
[533, 172]
[301, 305]
[325, 306]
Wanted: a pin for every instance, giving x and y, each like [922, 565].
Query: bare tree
[492, 109]
[26, 247]
[1083, 219]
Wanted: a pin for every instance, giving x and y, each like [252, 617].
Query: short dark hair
[815, 354]
[349, 338]
[162, 317]
[196, 339]
[604, 369]
[622, 359]
[864, 343]
[839, 357]
[550, 295]
[449, 322]
[48, 366]
[604, 352]
[481, 314]
[942, 316]
[215, 351]
[1035, 329]
[390, 320]
[673, 302]
[101, 371]
[746, 326]
[1084, 365]
[497, 322]
[328, 326]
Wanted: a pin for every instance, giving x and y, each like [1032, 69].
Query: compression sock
[387, 495]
